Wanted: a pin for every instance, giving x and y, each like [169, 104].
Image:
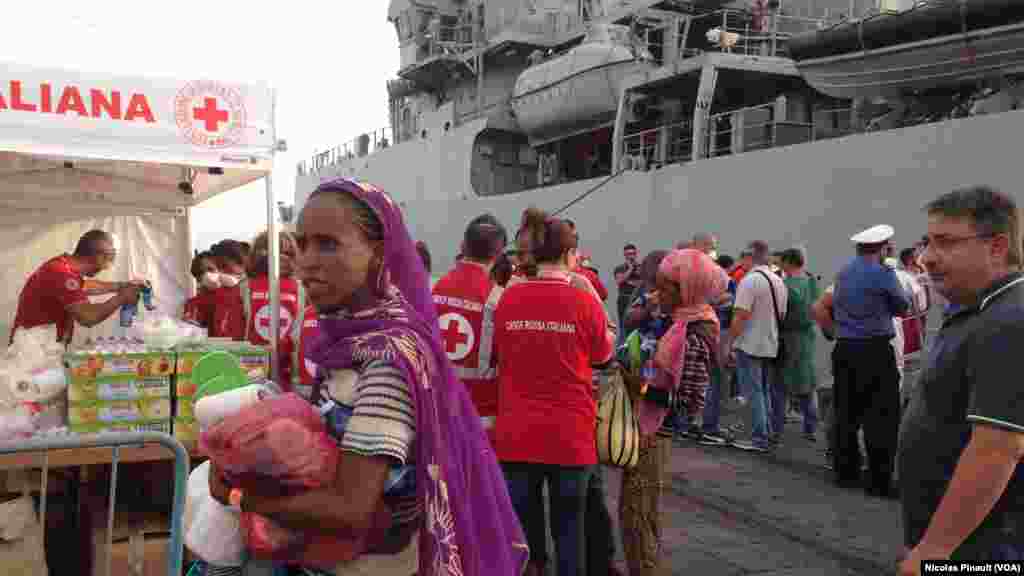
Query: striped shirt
[693, 382]
[383, 422]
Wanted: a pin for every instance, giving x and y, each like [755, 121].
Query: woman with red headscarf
[680, 368]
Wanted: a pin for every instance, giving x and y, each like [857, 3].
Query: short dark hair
[197, 263]
[89, 243]
[424, 252]
[907, 256]
[759, 251]
[990, 211]
[629, 247]
[501, 273]
[650, 263]
[228, 251]
[725, 261]
[570, 223]
[485, 238]
[793, 257]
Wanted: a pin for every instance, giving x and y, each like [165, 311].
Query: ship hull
[817, 194]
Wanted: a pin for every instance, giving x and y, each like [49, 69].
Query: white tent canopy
[130, 155]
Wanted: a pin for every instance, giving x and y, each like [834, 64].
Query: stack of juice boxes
[118, 385]
[255, 361]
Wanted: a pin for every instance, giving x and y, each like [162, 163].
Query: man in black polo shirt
[962, 436]
[628, 281]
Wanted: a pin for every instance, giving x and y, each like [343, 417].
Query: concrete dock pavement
[730, 512]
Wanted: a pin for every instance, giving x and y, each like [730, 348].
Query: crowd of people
[488, 383]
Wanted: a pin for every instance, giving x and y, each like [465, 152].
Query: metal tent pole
[273, 243]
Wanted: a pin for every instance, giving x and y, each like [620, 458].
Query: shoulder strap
[775, 305]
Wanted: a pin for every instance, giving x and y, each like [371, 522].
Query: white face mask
[228, 280]
[210, 280]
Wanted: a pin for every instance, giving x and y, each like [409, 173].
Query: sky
[328, 60]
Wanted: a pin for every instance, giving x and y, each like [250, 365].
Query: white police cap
[874, 235]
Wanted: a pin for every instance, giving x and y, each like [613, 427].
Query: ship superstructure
[656, 120]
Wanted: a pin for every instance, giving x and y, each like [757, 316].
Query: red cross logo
[457, 334]
[263, 322]
[210, 115]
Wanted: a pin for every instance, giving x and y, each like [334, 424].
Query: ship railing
[757, 34]
[448, 40]
[358, 147]
[645, 146]
[752, 128]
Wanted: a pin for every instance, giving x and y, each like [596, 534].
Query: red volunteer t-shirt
[49, 292]
[547, 336]
[459, 298]
[229, 318]
[199, 309]
[595, 281]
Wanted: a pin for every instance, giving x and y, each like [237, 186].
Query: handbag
[618, 430]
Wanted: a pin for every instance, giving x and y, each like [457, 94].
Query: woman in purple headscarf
[379, 352]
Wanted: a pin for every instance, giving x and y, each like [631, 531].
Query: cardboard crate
[88, 391]
[85, 367]
[255, 362]
[137, 426]
[184, 407]
[186, 431]
[118, 411]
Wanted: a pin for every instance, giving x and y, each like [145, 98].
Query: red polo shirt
[595, 281]
[199, 309]
[49, 292]
[229, 319]
[548, 334]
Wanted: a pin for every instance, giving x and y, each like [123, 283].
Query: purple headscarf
[470, 527]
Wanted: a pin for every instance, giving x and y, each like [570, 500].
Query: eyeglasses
[944, 243]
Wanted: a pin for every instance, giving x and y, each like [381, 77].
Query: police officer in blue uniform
[866, 297]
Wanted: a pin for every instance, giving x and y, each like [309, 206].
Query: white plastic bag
[212, 531]
[21, 539]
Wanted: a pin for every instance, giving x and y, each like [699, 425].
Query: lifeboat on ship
[936, 43]
[580, 89]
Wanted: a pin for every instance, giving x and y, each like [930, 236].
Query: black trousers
[600, 540]
[865, 394]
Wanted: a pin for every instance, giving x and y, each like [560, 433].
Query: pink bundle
[283, 438]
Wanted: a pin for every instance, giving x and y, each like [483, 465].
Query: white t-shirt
[760, 337]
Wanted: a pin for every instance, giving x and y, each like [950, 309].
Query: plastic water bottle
[128, 312]
[147, 297]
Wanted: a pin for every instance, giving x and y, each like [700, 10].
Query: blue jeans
[755, 377]
[810, 414]
[567, 488]
[777, 400]
[713, 402]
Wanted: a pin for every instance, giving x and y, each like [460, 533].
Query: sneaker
[752, 446]
[708, 439]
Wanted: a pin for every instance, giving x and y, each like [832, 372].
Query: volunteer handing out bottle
[58, 291]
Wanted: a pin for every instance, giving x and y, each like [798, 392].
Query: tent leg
[273, 242]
